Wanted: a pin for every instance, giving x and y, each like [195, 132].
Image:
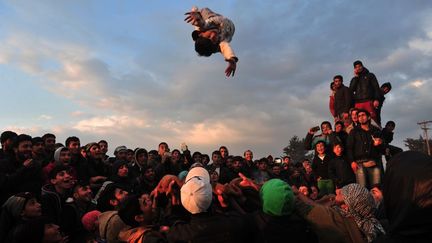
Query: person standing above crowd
[385, 88]
[387, 135]
[342, 98]
[365, 89]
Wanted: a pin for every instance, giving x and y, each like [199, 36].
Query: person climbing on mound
[213, 33]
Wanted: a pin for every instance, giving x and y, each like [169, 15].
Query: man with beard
[55, 193]
[38, 151]
[236, 166]
[7, 138]
[364, 150]
[365, 89]
[19, 173]
[225, 175]
[74, 210]
[50, 141]
[104, 149]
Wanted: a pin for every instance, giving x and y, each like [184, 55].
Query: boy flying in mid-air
[213, 33]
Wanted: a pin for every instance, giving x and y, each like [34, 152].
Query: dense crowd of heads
[348, 192]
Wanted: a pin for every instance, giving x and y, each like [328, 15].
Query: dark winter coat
[365, 87]
[275, 229]
[343, 100]
[14, 178]
[206, 227]
[360, 145]
[321, 167]
[340, 172]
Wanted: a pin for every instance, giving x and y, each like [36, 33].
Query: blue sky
[126, 71]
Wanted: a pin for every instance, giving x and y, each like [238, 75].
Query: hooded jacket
[365, 87]
[340, 172]
[110, 225]
[52, 203]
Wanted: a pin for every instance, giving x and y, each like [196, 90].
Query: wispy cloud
[143, 83]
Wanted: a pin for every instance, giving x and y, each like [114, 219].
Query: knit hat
[139, 151]
[120, 148]
[277, 198]
[196, 193]
[16, 203]
[57, 154]
[182, 175]
[89, 220]
[89, 145]
[117, 164]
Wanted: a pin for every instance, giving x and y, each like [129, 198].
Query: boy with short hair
[320, 165]
[339, 168]
[55, 193]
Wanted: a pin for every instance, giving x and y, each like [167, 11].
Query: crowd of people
[66, 192]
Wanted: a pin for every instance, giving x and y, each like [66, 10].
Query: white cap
[196, 193]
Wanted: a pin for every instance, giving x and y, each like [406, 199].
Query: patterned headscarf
[361, 208]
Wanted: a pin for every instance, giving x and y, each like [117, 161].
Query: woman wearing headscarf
[350, 219]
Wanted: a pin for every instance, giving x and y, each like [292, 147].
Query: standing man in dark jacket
[365, 89]
[343, 98]
[364, 150]
[385, 88]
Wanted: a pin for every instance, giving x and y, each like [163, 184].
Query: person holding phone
[326, 135]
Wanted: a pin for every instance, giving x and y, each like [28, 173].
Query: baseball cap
[196, 193]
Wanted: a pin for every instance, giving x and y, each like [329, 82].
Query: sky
[127, 72]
